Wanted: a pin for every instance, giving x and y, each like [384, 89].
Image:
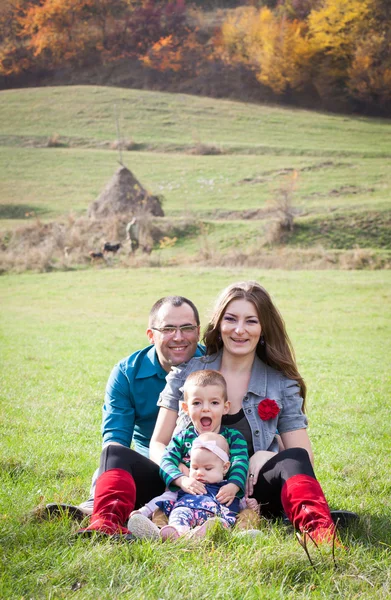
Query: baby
[209, 464]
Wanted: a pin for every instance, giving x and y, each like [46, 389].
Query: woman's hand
[190, 485]
[227, 493]
[253, 505]
[256, 463]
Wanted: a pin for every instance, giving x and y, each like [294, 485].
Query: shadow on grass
[373, 530]
[367, 530]
[20, 211]
[13, 468]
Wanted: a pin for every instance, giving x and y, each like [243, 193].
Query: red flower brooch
[268, 409]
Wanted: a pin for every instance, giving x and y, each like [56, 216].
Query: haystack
[124, 195]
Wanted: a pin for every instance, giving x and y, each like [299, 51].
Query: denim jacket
[265, 382]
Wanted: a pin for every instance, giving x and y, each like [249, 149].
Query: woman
[247, 343]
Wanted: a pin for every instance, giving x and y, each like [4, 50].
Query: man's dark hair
[173, 301]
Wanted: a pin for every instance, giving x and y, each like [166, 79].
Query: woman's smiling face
[240, 328]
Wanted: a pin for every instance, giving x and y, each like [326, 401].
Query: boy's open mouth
[206, 421]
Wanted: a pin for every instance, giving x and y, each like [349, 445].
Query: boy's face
[205, 407]
[206, 466]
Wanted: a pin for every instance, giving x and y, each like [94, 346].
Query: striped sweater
[178, 451]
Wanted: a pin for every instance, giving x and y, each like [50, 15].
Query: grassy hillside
[158, 118]
[226, 164]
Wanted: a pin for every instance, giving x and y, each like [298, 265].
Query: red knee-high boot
[115, 496]
[306, 507]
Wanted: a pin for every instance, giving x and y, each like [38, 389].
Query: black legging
[144, 472]
[267, 491]
[273, 475]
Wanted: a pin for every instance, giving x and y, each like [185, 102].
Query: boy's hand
[227, 493]
[190, 485]
[183, 469]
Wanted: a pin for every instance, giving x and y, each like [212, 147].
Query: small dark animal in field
[107, 247]
[96, 256]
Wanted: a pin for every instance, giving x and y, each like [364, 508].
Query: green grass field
[341, 163]
[60, 335]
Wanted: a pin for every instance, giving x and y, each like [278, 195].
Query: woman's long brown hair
[277, 350]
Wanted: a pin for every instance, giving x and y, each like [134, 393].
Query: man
[133, 234]
[130, 408]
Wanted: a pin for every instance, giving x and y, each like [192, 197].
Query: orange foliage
[341, 47]
[63, 31]
[185, 54]
[58, 29]
[370, 72]
[164, 55]
[14, 57]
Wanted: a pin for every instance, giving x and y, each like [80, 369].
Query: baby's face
[206, 466]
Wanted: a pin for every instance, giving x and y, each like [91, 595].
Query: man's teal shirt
[130, 409]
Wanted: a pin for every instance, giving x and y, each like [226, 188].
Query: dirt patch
[205, 149]
[274, 173]
[239, 215]
[341, 191]
[328, 164]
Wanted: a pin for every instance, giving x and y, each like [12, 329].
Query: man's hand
[227, 493]
[190, 485]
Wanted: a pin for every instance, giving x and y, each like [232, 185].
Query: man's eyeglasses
[170, 329]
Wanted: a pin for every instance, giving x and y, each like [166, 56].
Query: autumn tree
[14, 55]
[271, 44]
[150, 24]
[333, 31]
[59, 32]
[298, 9]
[369, 75]
[342, 48]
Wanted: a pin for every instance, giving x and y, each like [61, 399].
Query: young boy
[205, 401]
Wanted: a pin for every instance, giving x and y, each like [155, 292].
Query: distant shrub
[55, 142]
[167, 242]
[205, 149]
[361, 258]
[124, 145]
[282, 204]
